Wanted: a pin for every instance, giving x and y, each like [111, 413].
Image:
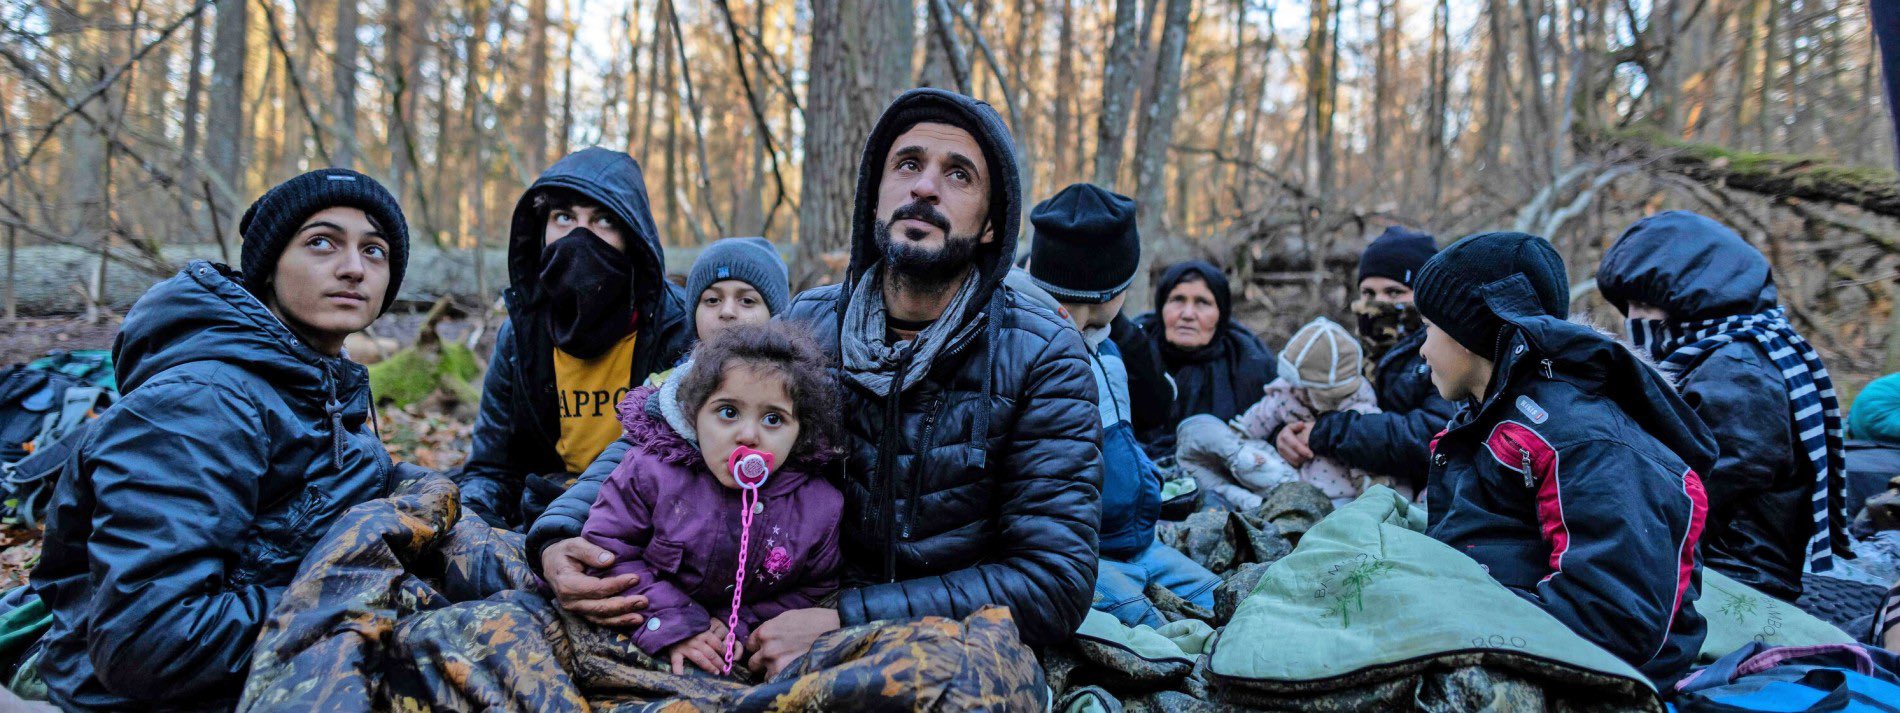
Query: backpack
[43, 406]
[1836, 677]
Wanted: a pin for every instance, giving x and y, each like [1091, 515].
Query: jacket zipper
[911, 498]
[1529, 480]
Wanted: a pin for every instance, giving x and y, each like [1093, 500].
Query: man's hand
[786, 637]
[603, 601]
[707, 650]
[1291, 443]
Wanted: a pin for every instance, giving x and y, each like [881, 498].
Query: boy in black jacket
[1570, 473]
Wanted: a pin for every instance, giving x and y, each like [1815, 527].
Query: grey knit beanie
[753, 261]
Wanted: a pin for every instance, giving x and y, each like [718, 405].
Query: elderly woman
[242, 434]
[1216, 365]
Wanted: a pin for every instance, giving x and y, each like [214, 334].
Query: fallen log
[1812, 178]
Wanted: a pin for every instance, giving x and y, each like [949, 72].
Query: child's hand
[707, 649]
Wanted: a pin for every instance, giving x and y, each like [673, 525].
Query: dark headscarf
[1223, 377]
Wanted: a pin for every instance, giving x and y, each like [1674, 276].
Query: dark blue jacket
[1394, 442]
[1760, 511]
[191, 503]
[513, 470]
[1574, 483]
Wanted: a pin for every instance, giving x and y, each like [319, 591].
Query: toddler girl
[724, 467]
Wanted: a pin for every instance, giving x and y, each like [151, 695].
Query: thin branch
[758, 115]
[290, 72]
[98, 88]
[699, 133]
[996, 68]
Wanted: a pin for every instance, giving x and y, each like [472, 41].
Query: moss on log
[1805, 177]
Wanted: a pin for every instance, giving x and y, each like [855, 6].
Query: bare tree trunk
[194, 97]
[855, 69]
[225, 136]
[634, 30]
[343, 84]
[567, 80]
[1441, 93]
[1322, 49]
[1118, 73]
[1382, 69]
[12, 160]
[1496, 77]
[291, 124]
[401, 95]
[1065, 78]
[472, 219]
[534, 117]
[1156, 135]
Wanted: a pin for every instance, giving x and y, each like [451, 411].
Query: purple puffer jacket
[665, 517]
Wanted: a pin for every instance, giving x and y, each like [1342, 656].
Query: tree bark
[856, 68]
[1156, 134]
[343, 83]
[1118, 92]
[534, 117]
[225, 136]
[1065, 78]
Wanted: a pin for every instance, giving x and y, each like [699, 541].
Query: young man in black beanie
[590, 315]
[1392, 442]
[242, 435]
[1083, 253]
[1571, 470]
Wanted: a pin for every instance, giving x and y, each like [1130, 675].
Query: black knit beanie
[274, 218]
[753, 261]
[1084, 247]
[1397, 255]
[1448, 289]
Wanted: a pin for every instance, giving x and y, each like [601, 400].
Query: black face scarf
[588, 288]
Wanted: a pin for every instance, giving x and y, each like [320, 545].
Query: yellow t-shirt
[590, 390]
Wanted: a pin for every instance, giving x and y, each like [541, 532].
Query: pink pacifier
[750, 468]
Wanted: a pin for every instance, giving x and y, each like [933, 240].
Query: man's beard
[915, 268]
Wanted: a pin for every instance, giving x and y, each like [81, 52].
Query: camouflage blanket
[405, 606]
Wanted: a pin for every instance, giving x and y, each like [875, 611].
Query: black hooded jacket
[1575, 484]
[188, 506]
[1222, 378]
[1760, 514]
[994, 494]
[513, 469]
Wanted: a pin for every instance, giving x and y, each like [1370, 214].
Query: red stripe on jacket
[1511, 444]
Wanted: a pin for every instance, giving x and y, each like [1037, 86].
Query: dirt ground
[27, 339]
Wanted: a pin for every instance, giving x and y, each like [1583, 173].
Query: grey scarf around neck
[869, 358]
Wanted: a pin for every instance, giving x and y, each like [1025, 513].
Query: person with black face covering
[590, 315]
[1217, 366]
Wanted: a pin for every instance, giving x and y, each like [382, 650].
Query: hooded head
[1216, 282]
[589, 293]
[1322, 358]
[1687, 265]
[999, 222]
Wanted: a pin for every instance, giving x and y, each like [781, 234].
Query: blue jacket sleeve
[490, 487]
[175, 468]
[565, 516]
[1050, 503]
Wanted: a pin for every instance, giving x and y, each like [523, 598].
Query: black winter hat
[269, 223]
[1449, 288]
[753, 261]
[1084, 247]
[1397, 255]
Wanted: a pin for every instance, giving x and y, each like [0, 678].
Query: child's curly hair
[783, 348]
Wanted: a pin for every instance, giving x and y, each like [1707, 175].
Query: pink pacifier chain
[750, 468]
